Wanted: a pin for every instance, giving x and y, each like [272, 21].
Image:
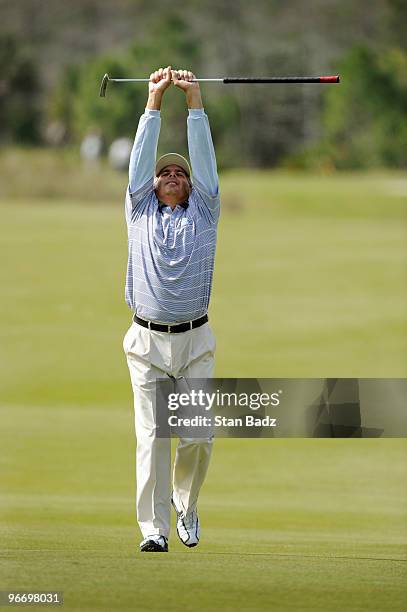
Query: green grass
[306, 284]
[287, 524]
[310, 282]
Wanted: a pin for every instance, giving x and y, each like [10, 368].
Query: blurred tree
[19, 88]
[75, 43]
[60, 104]
[75, 100]
[397, 20]
[365, 119]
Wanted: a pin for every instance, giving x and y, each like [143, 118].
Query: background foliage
[309, 281]
[52, 57]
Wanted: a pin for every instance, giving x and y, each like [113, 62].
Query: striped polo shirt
[171, 252]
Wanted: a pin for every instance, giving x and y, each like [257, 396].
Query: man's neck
[169, 201]
[172, 202]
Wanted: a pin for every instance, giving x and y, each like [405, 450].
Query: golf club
[226, 80]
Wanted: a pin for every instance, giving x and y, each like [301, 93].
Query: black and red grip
[320, 79]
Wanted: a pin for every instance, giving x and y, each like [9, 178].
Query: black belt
[171, 329]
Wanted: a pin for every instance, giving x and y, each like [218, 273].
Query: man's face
[172, 184]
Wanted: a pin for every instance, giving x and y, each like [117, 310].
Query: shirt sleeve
[202, 157]
[143, 156]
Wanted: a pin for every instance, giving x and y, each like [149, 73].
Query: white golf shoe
[188, 527]
[154, 543]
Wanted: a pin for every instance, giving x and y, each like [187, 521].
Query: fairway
[286, 524]
[309, 282]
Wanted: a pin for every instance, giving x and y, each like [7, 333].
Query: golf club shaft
[227, 80]
[320, 79]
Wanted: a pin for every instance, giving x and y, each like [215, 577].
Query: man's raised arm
[144, 152]
[200, 145]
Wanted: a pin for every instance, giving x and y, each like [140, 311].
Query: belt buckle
[169, 329]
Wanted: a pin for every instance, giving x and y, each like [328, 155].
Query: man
[172, 216]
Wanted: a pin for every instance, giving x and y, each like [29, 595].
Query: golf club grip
[320, 79]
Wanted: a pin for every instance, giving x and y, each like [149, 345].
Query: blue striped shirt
[171, 252]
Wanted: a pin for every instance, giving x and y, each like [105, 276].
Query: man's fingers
[179, 77]
[182, 75]
[161, 74]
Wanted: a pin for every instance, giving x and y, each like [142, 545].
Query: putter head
[103, 86]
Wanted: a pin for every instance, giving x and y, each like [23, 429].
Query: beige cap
[172, 158]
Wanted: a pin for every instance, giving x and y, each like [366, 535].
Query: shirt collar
[183, 205]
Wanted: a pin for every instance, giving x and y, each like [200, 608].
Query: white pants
[151, 355]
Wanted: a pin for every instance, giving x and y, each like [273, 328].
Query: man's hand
[182, 79]
[160, 80]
